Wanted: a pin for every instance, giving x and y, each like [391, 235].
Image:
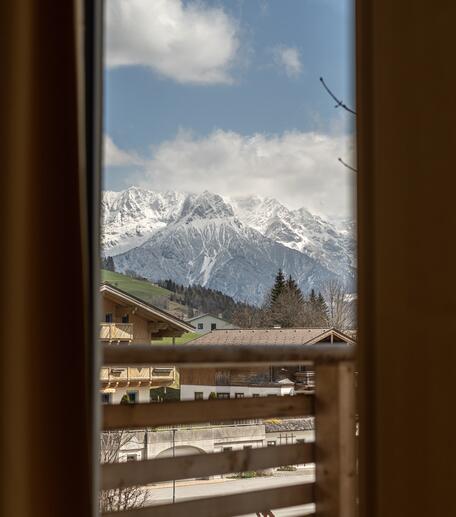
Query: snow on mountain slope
[208, 245]
[235, 245]
[300, 230]
[130, 217]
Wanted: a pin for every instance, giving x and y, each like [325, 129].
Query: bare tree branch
[124, 498]
[346, 165]
[338, 101]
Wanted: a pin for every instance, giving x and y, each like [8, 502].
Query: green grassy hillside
[139, 288]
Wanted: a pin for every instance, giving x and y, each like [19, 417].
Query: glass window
[108, 317]
[213, 326]
[132, 396]
[106, 398]
[238, 395]
[125, 318]
[271, 442]
[223, 395]
[200, 326]
[199, 395]
[254, 395]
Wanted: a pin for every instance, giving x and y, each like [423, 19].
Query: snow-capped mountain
[130, 217]
[233, 245]
[302, 231]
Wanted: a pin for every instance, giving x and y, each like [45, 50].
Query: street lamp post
[174, 455]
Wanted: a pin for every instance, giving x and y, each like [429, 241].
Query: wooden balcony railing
[136, 374]
[116, 331]
[332, 404]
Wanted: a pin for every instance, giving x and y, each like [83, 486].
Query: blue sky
[225, 95]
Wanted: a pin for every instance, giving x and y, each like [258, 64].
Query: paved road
[162, 494]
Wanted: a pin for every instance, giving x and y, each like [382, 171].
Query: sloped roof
[270, 336]
[295, 424]
[149, 310]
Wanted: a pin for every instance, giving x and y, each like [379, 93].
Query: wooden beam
[335, 438]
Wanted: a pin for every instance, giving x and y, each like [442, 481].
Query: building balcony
[116, 332]
[123, 376]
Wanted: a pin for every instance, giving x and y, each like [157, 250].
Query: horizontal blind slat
[140, 416]
[228, 505]
[227, 356]
[118, 475]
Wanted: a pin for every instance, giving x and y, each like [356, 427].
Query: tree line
[286, 306]
[200, 300]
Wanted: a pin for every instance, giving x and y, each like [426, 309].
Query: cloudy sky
[225, 96]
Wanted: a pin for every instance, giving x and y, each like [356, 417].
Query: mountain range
[234, 245]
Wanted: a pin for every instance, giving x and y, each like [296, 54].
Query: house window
[162, 372]
[200, 326]
[132, 457]
[125, 318]
[108, 317]
[247, 447]
[106, 398]
[132, 396]
[271, 443]
[226, 449]
[223, 395]
[199, 395]
[213, 326]
[254, 395]
[238, 395]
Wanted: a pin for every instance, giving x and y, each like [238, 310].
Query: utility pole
[174, 455]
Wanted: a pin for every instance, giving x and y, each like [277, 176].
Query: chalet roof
[295, 424]
[270, 336]
[149, 310]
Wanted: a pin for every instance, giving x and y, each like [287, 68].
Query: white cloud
[115, 157]
[289, 59]
[299, 169]
[190, 43]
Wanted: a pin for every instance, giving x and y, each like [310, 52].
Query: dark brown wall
[46, 432]
[407, 221]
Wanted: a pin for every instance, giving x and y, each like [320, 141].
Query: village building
[130, 320]
[199, 383]
[205, 323]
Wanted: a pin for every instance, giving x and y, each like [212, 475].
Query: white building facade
[208, 322]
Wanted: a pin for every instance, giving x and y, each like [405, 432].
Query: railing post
[335, 440]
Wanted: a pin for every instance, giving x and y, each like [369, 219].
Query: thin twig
[338, 101]
[346, 165]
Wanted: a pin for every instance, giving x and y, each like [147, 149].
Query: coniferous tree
[292, 287]
[108, 264]
[279, 286]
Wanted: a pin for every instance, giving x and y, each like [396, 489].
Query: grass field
[179, 340]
